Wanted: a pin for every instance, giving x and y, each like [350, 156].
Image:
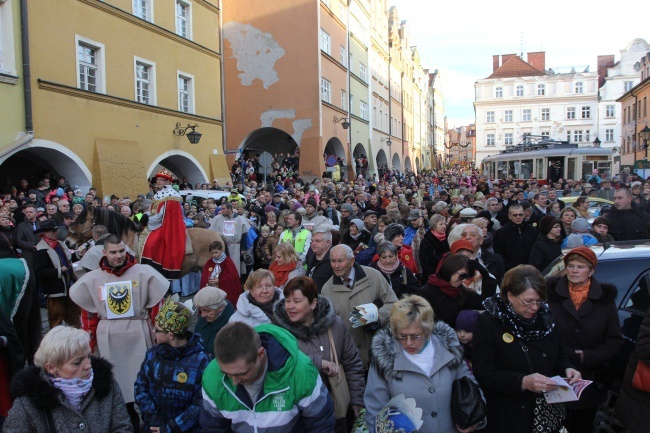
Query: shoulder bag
[641, 380]
[547, 418]
[338, 384]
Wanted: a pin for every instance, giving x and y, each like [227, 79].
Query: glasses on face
[463, 275]
[516, 215]
[556, 226]
[530, 304]
[405, 338]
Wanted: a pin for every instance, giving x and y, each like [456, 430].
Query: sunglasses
[463, 276]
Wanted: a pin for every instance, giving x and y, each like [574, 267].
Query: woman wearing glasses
[586, 317]
[516, 350]
[420, 359]
[446, 292]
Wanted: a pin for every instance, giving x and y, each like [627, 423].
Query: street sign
[266, 159]
[331, 160]
[266, 170]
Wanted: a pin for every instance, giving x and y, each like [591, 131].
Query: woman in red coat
[220, 271]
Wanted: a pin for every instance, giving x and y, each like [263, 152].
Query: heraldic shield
[119, 299]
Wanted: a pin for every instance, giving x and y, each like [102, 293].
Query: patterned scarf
[73, 389]
[117, 270]
[534, 329]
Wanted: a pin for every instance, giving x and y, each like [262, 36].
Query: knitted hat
[580, 225]
[311, 202]
[393, 230]
[170, 320]
[584, 252]
[269, 208]
[347, 207]
[357, 222]
[461, 244]
[296, 206]
[208, 296]
[466, 320]
[546, 224]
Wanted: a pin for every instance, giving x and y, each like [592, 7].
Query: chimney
[604, 62]
[505, 57]
[537, 60]
[495, 63]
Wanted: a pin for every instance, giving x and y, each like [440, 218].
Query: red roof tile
[516, 67]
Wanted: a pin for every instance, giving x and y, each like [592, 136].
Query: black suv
[625, 264]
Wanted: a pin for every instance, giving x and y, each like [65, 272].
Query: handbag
[338, 384]
[641, 380]
[467, 405]
[547, 418]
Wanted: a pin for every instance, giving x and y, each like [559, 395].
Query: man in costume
[164, 248]
[119, 301]
[233, 228]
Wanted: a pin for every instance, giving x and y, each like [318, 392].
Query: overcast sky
[459, 37]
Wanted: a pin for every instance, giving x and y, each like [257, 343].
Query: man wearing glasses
[514, 240]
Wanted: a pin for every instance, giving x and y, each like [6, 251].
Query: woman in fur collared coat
[308, 316]
[419, 359]
[67, 390]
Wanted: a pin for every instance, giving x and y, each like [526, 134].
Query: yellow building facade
[111, 80]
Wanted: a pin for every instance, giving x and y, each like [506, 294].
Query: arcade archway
[181, 164]
[335, 147]
[407, 164]
[396, 163]
[40, 156]
[272, 140]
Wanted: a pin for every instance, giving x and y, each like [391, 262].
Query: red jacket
[228, 279]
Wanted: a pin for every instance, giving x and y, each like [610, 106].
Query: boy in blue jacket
[168, 387]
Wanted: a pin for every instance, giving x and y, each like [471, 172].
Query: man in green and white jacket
[261, 382]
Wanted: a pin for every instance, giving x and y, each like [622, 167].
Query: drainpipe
[27, 75]
[223, 86]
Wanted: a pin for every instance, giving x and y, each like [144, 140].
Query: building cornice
[119, 13]
[114, 100]
[8, 78]
[634, 90]
[333, 60]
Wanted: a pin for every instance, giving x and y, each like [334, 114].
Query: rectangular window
[498, 92]
[343, 54]
[508, 138]
[184, 19]
[90, 65]
[344, 99]
[363, 72]
[142, 9]
[546, 114]
[325, 42]
[609, 135]
[577, 136]
[489, 140]
[526, 115]
[507, 116]
[571, 112]
[326, 90]
[609, 111]
[185, 93]
[578, 87]
[364, 110]
[586, 112]
[489, 117]
[520, 90]
[541, 89]
[629, 85]
[546, 134]
[145, 86]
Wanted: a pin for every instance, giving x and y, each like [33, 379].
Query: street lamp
[345, 123]
[644, 136]
[193, 136]
[597, 142]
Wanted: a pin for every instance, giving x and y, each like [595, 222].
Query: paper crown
[399, 415]
[455, 193]
[164, 174]
[170, 320]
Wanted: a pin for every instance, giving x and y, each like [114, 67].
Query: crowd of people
[321, 302]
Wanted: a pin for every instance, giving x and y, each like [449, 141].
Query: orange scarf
[281, 272]
[579, 293]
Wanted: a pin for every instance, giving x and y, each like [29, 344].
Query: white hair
[60, 345]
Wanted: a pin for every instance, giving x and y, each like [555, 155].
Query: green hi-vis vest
[299, 242]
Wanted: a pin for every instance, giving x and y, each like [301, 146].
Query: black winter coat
[447, 308]
[594, 328]
[514, 243]
[431, 251]
[321, 271]
[543, 252]
[627, 224]
[402, 280]
[499, 365]
[493, 263]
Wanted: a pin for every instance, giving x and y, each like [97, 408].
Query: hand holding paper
[363, 314]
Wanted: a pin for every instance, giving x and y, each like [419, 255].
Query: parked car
[626, 264]
[595, 204]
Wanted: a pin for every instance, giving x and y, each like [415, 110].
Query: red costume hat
[164, 174]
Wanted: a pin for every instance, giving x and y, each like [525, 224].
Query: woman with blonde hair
[286, 264]
[255, 305]
[67, 389]
[419, 358]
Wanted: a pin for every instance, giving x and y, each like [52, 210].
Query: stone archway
[417, 163]
[39, 156]
[396, 163]
[408, 165]
[382, 162]
[181, 164]
[272, 140]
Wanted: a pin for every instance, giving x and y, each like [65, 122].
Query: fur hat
[209, 296]
[584, 252]
[580, 225]
[546, 224]
[393, 230]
